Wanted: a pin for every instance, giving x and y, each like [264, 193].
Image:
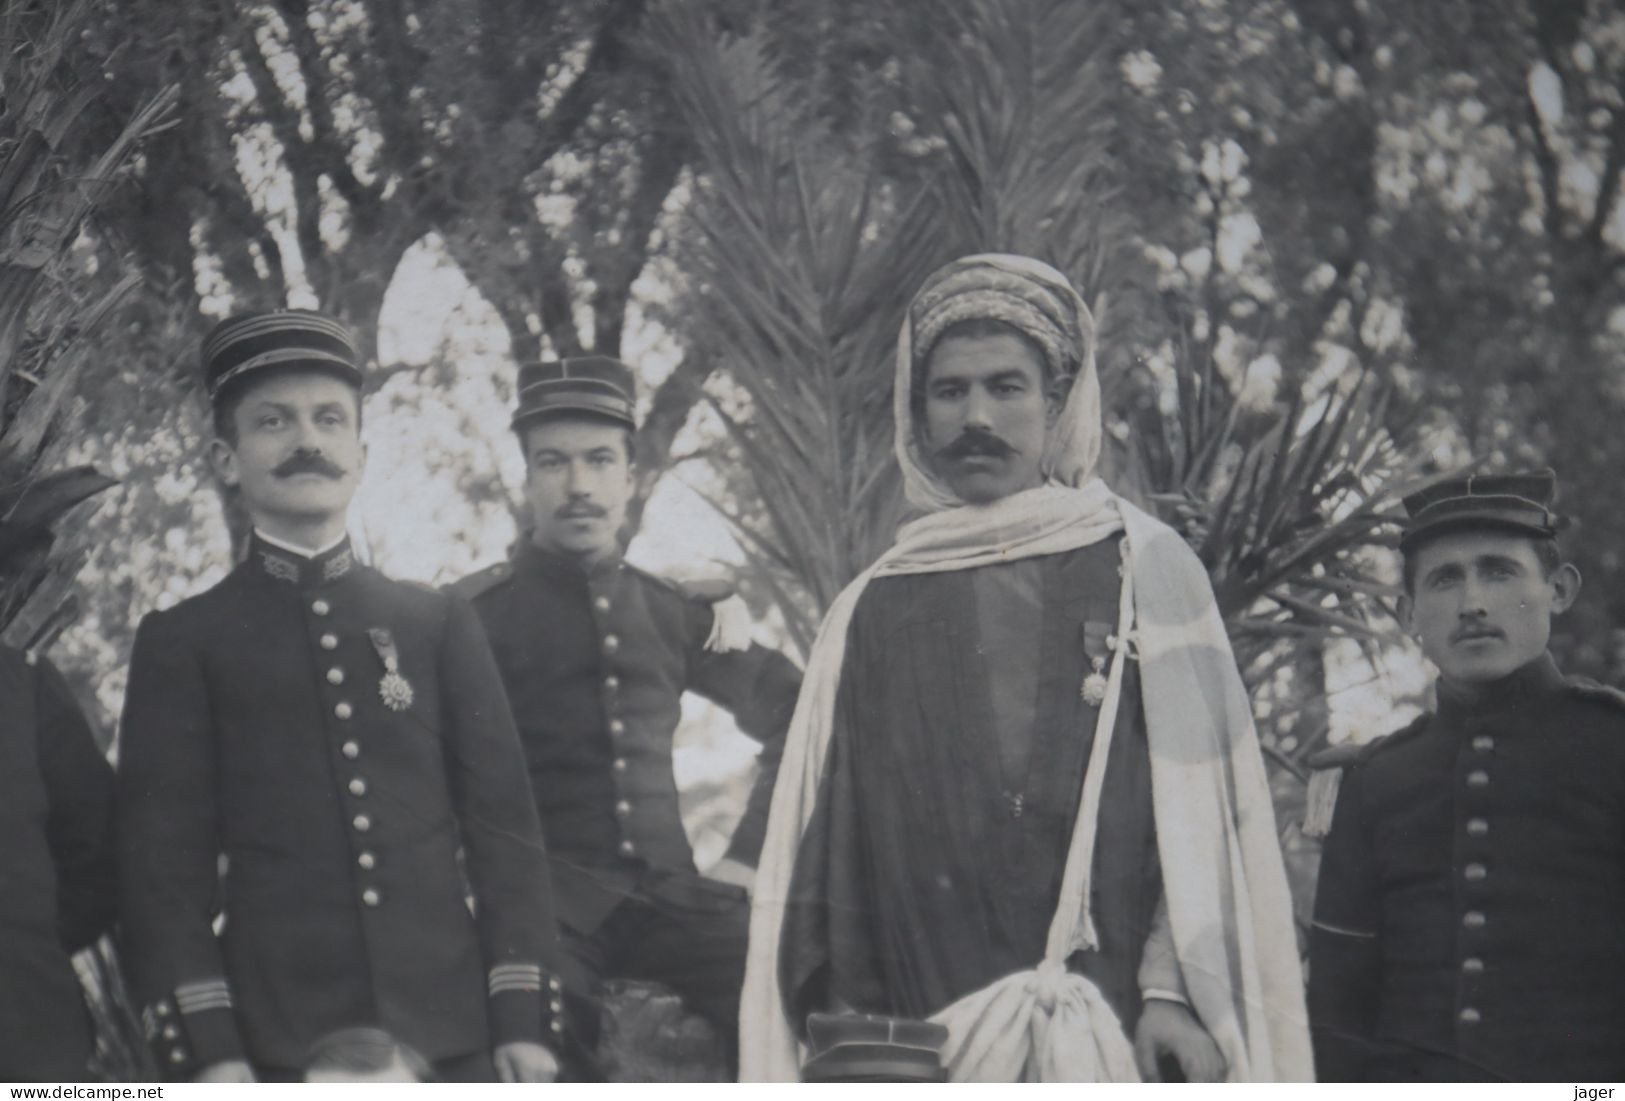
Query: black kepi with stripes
[595, 386]
[248, 346]
[1508, 502]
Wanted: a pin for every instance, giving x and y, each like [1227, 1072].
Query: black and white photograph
[812, 541]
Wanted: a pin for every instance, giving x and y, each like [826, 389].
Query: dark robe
[933, 861]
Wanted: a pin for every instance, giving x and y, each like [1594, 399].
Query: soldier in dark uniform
[340, 745]
[56, 870]
[1470, 915]
[596, 654]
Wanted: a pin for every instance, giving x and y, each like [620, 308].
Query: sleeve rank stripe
[517, 968]
[200, 1005]
[208, 986]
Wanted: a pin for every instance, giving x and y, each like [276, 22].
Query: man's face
[298, 455]
[1481, 603]
[986, 414]
[578, 481]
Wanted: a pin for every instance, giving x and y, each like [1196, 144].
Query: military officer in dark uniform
[596, 654]
[56, 870]
[340, 745]
[1470, 915]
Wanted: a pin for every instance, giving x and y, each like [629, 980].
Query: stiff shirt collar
[294, 548]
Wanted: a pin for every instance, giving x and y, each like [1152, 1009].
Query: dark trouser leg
[692, 941]
[1396, 1065]
[583, 968]
[473, 1067]
[278, 1074]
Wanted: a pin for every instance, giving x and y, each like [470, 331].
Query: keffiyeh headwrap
[1039, 301]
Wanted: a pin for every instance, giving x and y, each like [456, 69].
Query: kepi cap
[850, 1047]
[247, 344]
[1516, 502]
[593, 385]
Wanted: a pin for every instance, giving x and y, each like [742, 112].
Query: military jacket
[595, 666]
[1471, 901]
[339, 744]
[56, 870]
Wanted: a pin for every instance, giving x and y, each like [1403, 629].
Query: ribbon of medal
[394, 689]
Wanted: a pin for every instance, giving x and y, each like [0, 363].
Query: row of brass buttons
[343, 710]
[1475, 871]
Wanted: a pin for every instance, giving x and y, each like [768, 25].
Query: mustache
[306, 462]
[581, 510]
[976, 443]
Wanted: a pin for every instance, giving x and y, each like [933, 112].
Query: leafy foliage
[801, 260]
[49, 307]
[805, 253]
[53, 303]
[1282, 505]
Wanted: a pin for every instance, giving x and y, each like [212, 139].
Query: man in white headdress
[1022, 794]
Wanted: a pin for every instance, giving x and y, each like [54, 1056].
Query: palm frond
[52, 306]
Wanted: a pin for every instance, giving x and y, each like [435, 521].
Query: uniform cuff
[526, 1004]
[1153, 994]
[193, 1029]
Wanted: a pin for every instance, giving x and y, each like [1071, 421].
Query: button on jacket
[1471, 901]
[56, 870]
[343, 742]
[595, 667]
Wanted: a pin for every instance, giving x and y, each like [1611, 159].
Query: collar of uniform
[563, 567]
[302, 571]
[1523, 688]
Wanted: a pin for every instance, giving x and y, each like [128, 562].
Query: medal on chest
[1093, 690]
[1098, 643]
[394, 689]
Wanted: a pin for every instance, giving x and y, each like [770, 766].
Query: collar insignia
[283, 569]
[338, 565]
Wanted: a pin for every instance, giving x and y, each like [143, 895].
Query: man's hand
[524, 1061]
[233, 1070]
[1168, 1028]
[735, 872]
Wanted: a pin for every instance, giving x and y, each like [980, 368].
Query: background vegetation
[1336, 247]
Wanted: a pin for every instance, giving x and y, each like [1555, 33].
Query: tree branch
[673, 400]
[1545, 156]
[298, 157]
[393, 66]
[610, 50]
[272, 105]
[553, 299]
[1546, 162]
[1613, 168]
[499, 283]
[662, 163]
[332, 151]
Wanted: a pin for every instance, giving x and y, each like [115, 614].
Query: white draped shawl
[1223, 878]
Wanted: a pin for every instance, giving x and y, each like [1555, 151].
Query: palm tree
[806, 241]
[800, 261]
[52, 306]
